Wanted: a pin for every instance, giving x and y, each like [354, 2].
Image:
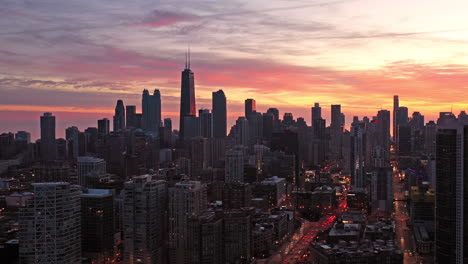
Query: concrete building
[234, 166]
[89, 166]
[50, 225]
[144, 224]
[186, 198]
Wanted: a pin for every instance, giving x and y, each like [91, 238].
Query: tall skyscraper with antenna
[187, 95]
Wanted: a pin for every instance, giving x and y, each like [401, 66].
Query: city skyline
[310, 59]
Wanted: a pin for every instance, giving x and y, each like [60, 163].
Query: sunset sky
[76, 58]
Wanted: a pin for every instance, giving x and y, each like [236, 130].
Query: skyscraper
[206, 123]
[396, 104]
[336, 118]
[274, 112]
[187, 96]
[72, 137]
[241, 130]
[89, 166]
[219, 114]
[103, 127]
[48, 145]
[97, 224]
[119, 117]
[186, 198]
[336, 132]
[50, 225]
[144, 219]
[131, 116]
[316, 112]
[451, 231]
[250, 106]
[151, 109]
[234, 166]
[383, 134]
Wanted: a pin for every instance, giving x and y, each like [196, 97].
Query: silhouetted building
[206, 123]
[73, 144]
[187, 97]
[250, 107]
[396, 104]
[219, 114]
[48, 144]
[119, 116]
[103, 127]
[151, 110]
[97, 224]
[131, 119]
[451, 239]
[316, 112]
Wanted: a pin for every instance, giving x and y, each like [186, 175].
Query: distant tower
[119, 117]
[131, 118]
[219, 114]
[72, 137]
[336, 119]
[187, 95]
[316, 112]
[206, 123]
[50, 225]
[274, 112]
[396, 104]
[48, 145]
[151, 109]
[250, 106]
[103, 127]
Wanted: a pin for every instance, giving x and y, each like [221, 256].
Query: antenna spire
[189, 57]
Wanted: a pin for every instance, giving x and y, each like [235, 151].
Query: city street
[404, 235]
[296, 249]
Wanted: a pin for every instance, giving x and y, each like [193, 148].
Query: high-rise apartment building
[186, 198]
[234, 171]
[89, 166]
[50, 225]
[144, 220]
